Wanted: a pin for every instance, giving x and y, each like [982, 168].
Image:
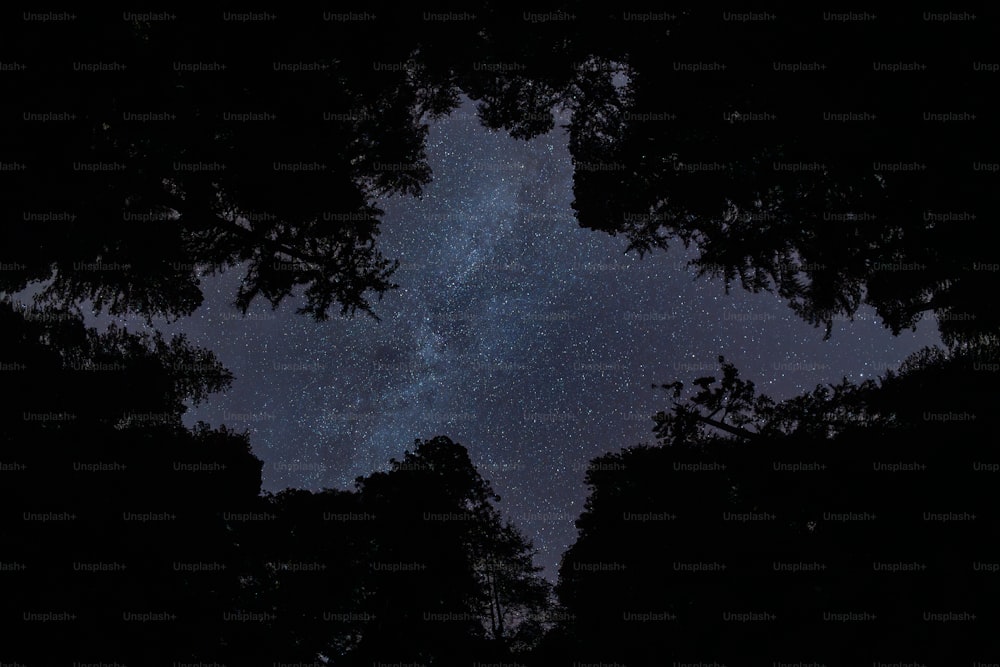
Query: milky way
[515, 332]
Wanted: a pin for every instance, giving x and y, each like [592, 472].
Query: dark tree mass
[156, 166]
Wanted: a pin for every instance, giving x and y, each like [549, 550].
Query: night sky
[518, 334]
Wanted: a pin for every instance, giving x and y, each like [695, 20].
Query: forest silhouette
[849, 523]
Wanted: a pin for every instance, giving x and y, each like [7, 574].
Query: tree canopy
[797, 153]
[850, 499]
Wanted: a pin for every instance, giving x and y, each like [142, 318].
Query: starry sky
[531, 341]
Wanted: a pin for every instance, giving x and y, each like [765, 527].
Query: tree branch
[732, 430]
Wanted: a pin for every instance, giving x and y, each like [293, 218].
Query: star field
[531, 341]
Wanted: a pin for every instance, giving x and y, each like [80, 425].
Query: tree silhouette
[469, 584]
[115, 513]
[311, 569]
[833, 501]
[751, 167]
[833, 185]
[414, 564]
[837, 186]
[163, 172]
